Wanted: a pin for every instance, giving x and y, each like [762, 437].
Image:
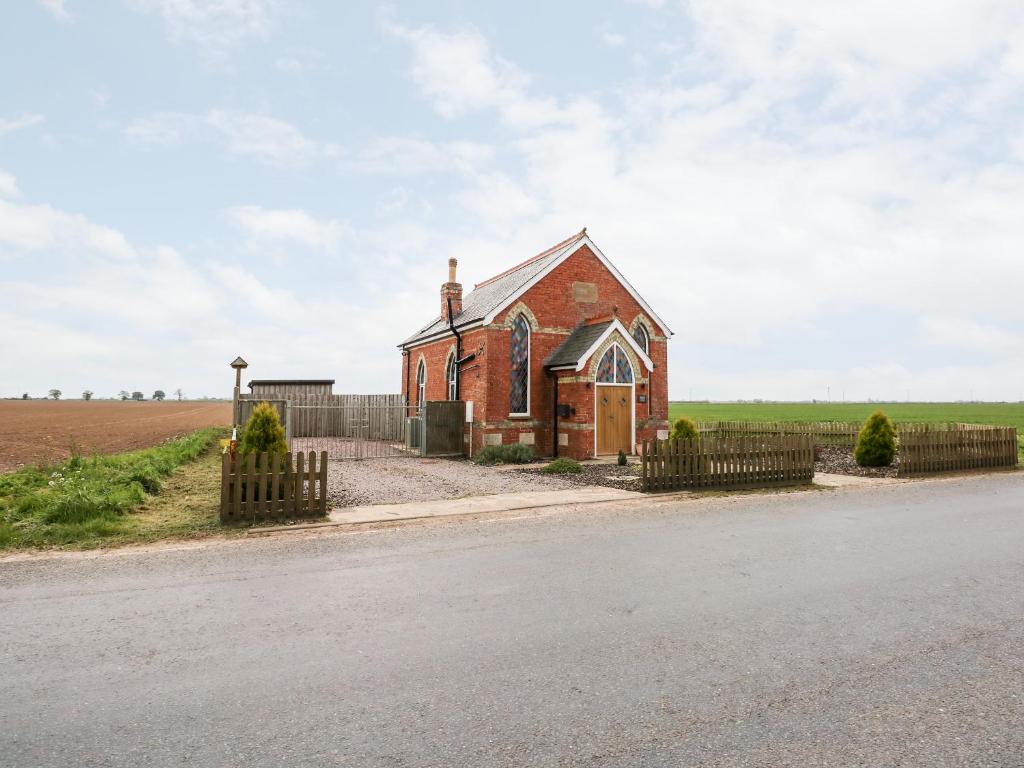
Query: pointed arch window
[614, 367]
[642, 337]
[421, 383]
[519, 376]
[451, 376]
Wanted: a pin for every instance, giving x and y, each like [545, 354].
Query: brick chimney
[451, 290]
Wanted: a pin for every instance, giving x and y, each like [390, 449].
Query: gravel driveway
[392, 481]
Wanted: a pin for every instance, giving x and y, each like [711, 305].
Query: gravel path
[625, 478]
[838, 460]
[392, 481]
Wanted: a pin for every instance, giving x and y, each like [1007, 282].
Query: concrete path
[844, 481]
[498, 502]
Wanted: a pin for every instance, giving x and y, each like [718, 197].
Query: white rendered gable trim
[615, 325]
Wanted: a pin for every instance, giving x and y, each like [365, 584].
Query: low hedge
[512, 453]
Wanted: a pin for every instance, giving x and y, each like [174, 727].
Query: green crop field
[998, 414]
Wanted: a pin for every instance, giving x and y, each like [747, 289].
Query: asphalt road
[863, 627]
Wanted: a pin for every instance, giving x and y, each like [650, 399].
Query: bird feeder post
[239, 365]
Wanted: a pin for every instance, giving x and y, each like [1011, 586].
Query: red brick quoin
[569, 290]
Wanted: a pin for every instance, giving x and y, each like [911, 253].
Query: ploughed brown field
[44, 431]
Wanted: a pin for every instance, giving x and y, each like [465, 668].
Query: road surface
[864, 627]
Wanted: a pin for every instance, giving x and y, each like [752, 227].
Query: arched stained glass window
[614, 367]
[519, 377]
[421, 384]
[450, 376]
[642, 338]
[606, 368]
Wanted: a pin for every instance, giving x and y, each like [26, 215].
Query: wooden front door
[614, 419]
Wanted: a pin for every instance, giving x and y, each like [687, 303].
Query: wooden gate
[443, 428]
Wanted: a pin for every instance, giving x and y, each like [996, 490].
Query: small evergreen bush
[684, 428]
[263, 432]
[622, 458]
[563, 466]
[876, 443]
[513, 453]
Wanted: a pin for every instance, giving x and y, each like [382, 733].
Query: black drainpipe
[458, 352]
[406, 354]
[554, 418]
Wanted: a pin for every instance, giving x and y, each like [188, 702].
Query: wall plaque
[584, 293]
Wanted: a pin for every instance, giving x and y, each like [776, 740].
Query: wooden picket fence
[926, 449]
[712, 463]
[277, 487]
[821, 432]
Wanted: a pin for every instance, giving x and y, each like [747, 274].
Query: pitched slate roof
[489, 294]
[578, 342]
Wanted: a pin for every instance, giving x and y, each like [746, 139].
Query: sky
[821, 199]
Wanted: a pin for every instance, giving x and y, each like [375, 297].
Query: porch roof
[586, 340]
[575, 346]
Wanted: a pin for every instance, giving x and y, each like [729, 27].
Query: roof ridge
[547, 252]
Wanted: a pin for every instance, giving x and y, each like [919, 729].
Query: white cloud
[57, 9]
[966, 333]
[460, 73]
[40, 227]
[299, 60]
[747, 207]
[612, 39]
[268, 139]
[12, 124]
[294, 225]
[216, 27]
[273, 141]
[8, 185]
[405, 155]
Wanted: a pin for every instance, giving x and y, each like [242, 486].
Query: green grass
[997, 414]
[129, 497]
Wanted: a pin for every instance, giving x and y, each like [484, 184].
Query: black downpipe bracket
[458, 351]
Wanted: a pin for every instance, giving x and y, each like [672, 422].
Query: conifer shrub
[512, 453]
[684, 428]
[563, 466]
[876, 443]
[263, 432]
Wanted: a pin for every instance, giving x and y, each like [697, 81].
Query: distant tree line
[124, 394]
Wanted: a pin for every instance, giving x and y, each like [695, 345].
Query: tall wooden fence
[283, 407]
[277, 487]
[713, 463]
[925, 449]
[364, 417]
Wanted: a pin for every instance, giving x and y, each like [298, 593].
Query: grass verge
[170, 490]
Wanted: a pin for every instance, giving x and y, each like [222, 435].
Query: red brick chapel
[559, 352]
